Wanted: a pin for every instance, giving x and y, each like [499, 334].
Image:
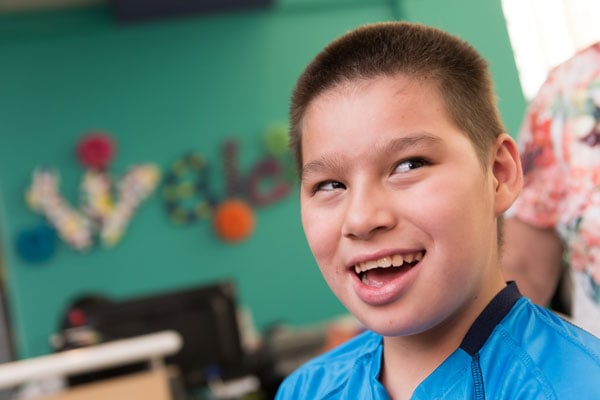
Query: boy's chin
[399, 321]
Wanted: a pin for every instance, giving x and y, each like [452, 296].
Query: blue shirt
[514, 350]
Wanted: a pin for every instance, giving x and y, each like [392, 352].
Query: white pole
[151, 347]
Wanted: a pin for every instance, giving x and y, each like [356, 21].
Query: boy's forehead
[397, 87]
[402, 89]
[429, 105]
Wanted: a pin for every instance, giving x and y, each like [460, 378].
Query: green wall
[161, 89]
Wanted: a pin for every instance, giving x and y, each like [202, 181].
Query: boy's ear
[507, 171]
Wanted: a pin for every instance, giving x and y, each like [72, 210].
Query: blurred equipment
[206, 318]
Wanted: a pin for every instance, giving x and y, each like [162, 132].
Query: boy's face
[388, 179]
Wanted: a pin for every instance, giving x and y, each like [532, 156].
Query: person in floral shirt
[556, 220]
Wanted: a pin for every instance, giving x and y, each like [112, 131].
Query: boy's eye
[407, 165]
[329, 186]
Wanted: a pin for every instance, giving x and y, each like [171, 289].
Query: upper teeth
[389, 261]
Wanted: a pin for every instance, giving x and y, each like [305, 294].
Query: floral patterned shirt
[560, 149]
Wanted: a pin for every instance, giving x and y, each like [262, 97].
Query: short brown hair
[390, 48]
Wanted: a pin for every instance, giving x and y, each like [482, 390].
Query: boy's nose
[368, 212]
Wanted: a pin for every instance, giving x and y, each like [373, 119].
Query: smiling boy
[405, 173]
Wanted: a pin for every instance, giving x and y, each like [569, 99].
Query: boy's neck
[408, 360]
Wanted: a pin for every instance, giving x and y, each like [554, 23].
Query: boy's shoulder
[329, 372]
[536, 345]
[540, 331]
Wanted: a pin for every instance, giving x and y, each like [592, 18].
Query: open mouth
[378, 272]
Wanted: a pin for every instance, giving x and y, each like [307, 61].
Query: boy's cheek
[319, 237]
[318, 240]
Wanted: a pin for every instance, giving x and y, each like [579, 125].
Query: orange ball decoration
[233, 220]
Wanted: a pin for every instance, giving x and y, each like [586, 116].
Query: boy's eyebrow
[320, 164]
[415, 140]
[393, 146]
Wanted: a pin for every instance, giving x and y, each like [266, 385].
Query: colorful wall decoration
[106, 208]
[189, 197]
